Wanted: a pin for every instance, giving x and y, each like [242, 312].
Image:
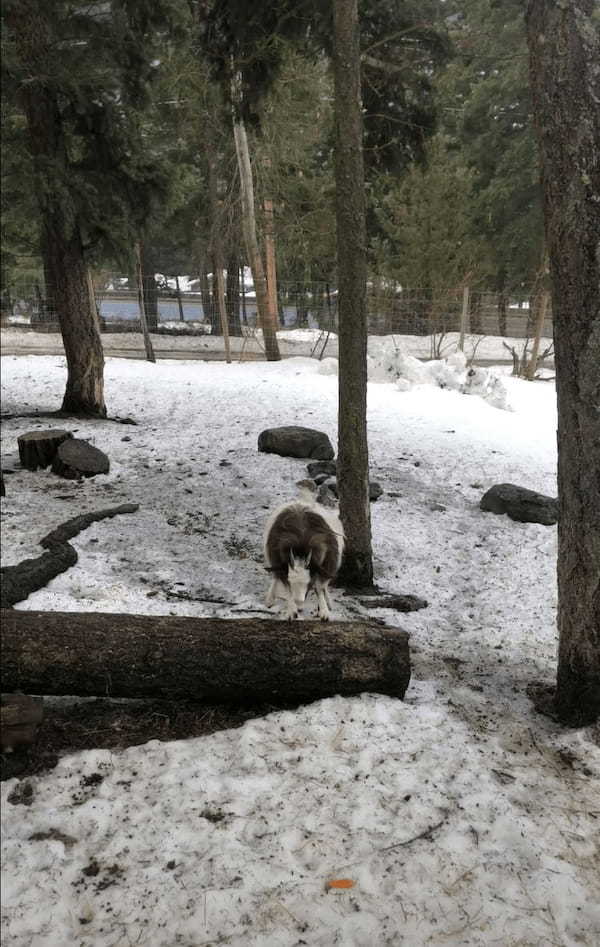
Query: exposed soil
[102, 724]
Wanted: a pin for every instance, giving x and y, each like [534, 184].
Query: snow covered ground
[460, 816]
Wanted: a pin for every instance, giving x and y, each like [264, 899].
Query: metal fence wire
[391, 309]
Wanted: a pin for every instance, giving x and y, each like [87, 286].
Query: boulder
[321, 468]
[294, 441]
[520, 504]
[330, 483]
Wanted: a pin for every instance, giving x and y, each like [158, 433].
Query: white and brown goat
[303, 547]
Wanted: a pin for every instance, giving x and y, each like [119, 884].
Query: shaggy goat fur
[303, 550]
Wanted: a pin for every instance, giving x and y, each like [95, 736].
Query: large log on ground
[207, 659]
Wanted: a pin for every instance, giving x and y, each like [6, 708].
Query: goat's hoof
[324, 617]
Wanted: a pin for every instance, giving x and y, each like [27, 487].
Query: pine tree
[80, 75]
[486, 106]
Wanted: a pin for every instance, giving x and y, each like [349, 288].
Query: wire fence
[180, 306]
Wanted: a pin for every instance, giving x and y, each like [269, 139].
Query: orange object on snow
[341, 883]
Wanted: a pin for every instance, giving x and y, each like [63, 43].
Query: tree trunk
[268, 326]
[142, 305]
[269, 221]
[564, 49]
[353, 457]
[233, 256]
[241, 660]
[148, 264]
[65, 267]
[207, 303]
[233, 292]
[215, 240]
[84, 393]
[475, 305]
[502, 304]
[179, 300]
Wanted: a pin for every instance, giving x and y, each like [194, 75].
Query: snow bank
[387, 362]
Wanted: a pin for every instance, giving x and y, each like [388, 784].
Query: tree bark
[353, 456]
[238, 661]
[564, 50]
[149, 288]
[150, 356]
[233, 292]
[207, 301]
[269, 224]
[268, 326]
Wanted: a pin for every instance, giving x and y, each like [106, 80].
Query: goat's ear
[308, 558]
[292, 559]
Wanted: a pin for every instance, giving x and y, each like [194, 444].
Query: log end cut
[76, 458]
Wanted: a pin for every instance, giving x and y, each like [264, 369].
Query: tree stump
[38, 448]
[235, 661]
[20, 718]
[76, 458]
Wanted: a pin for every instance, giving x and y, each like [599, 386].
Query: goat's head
[299, 578]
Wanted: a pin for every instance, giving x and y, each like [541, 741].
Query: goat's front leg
[291, 609]
[323, 600]
[271, 596]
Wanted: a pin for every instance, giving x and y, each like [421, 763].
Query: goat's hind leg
[271, 593]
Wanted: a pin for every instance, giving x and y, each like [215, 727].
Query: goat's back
[302, 530]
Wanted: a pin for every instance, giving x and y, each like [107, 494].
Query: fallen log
[234, 661]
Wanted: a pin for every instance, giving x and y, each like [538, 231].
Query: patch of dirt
[110, 724]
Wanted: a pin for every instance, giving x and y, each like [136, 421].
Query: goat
[303, 548]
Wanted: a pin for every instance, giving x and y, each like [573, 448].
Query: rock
[319, 468]
[400, 603]
[375, 491]
[330, 483]
[76, 458]
[325, 497]
[294, 441]
[520, 504]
